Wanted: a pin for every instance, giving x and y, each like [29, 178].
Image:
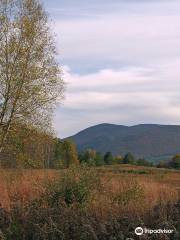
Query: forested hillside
[145, 140]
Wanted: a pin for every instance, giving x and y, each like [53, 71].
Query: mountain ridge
[142, 140]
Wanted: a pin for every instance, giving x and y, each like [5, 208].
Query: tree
[88, 157]
[28, 148]
[175, 162]
[57, 161]
[91, 158]
[143, 162]
[163, 164]
[128, 159]
[118, 159]
[69, 153]
[99, 159]
[108, 158]
[30, 81]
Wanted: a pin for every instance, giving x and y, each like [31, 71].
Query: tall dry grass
[133, 193]
[136, 192]
[48, 204]
[21, 186]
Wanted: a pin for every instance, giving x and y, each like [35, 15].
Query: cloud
[129, 96]
[132, 33]
[123, 62]
[135, 39]
[70, 9]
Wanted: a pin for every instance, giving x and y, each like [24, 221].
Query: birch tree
[30, 78]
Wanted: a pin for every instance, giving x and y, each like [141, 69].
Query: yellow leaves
[27, 65]
[27, 27]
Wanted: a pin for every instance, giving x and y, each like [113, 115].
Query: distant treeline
[33, 148]
[66, 154]
[173, 163]
[93, 158]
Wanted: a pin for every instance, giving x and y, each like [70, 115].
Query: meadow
[89, 203]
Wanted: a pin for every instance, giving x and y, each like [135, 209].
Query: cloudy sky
[121, 62]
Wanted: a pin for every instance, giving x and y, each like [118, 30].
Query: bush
[75, 186]
[42, 223]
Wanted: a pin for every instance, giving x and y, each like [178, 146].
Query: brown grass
[157, 186]
[153, 185]
[21, 186]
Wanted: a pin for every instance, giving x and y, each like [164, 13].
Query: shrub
[42, 223]
[75, 186]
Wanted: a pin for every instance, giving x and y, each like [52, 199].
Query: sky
[120, 61]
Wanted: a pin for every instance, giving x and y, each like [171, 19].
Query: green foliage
[65, 154]
[57, 161]
[30, 78]
[175, 162]
[28, 147]
[129, 159]
[91, 158]
[69, 153]
[143, 162]
[99, 159]
[108, 158]
[37, 222]
[24, 161]
[74, 187]
[88, 157]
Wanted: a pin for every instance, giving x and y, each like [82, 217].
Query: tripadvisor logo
[140, 231]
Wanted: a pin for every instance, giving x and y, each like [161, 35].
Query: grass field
[25, 185]
[120, 191]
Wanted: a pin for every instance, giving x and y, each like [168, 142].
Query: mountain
[144, 140]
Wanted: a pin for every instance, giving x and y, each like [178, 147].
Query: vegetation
[108, 158]
[88, 203]
[173, 163]
[128, 159]
[69, 154]
[28, 148]
[64, 154]
[73, 187]
[93, 196]
[30, 84]
[30, 81]
[91, 158]
[143, 162]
